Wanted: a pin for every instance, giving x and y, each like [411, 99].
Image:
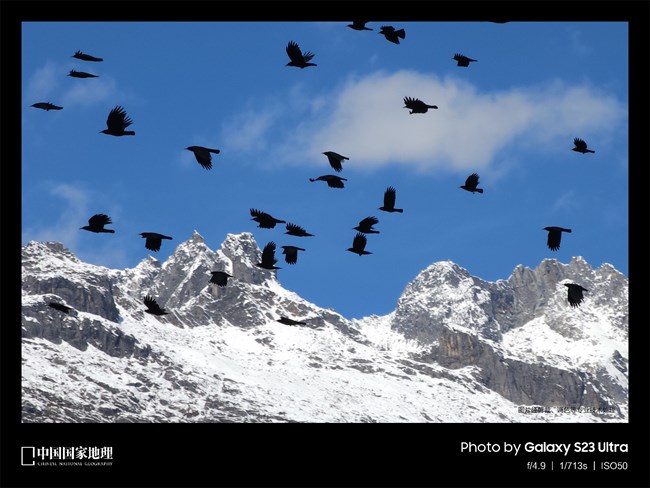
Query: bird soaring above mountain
[60, 307]
[291, 253]
[471, 184]
[202, 155]
[97, 222]
[86, 57]
[389, 32]
[117, 121]
[152, 306]
[574, 294]
[297, 57]
[581, 146]
[417, 106]
[153, 240]
[389, 201]
[463, 60]
[359, 25]
[264, 220]
[81, 74]
[220, 278]
[335, 160]
[47, 106]
[554, 237]
[268, 257]
[333, 181]
[365, 225]
[288, 321]
[295, 230]
[359, 245]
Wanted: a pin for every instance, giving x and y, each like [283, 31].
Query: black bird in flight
[581, 146]
[296, 230]
[389, 32]
[575, 294]
[463, 60]
[471, 183]
[554, 237]
[202, 155]
[359, 245]
[152, 306]
[359, 25]
[47, 106]
[60, 307]
[81, 74]
[389, 201]
[86, 57]
[220, 278]
[333, 181]
[97, 222]
[288, 321]
[268, 257]
[335, 160]
[117, 121]
[291, 254]
[417, 106]
[298, 59]
[366, 224]
[153, 240]
[264, 220]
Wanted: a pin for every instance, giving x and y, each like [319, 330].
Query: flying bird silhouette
[333, 181]
[47, 106]
[574, 294]
[268, 257]
[581, 146]
[288, 321]
[117, 121]
[296, 230]
[97, 222]
[298, 59]
[417, 106]
[359, 25]
[220, 278]
[389, 201]
[152, 306]
[471, 184]
[264, 220]
[359, 245]
[202, 155]
[153, 240]
[389, 32]
[463, 60]
[554, 237]
[335, 160]
[291, 254]
[365, 225]
[81, 74]
[86, 57]
[60, 307]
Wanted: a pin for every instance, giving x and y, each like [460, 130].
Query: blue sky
[510, 117]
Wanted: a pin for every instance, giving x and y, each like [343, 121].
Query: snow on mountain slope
[456, 349]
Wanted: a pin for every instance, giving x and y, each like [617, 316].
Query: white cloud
[365, 120]
[89, 91]
[43, 83]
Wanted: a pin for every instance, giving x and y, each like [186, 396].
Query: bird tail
[129, 133]
[567, 230]
[591, 150]
[109, 230]
[480, 190]
[215, 151]
[400, 210]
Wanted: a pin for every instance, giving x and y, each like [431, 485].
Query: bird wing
[575, 294]
[290, 254]
[307, 56]
[389, 197]
[553, 241]
[268, 254]
[368, 222]
[359, 242]
[580, 144]
[410, 102]
[99, 220]
[117, 119]
[294, 52]
[335, 182]
[295, 229]
[472, 181]
[219, 278]
[152, 305]
[202, 156]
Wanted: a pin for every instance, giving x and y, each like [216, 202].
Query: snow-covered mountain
[455, 349]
